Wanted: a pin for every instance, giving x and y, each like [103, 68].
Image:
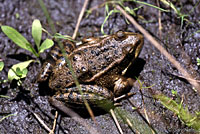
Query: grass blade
[37, 32]
[7, 117]
[191, 120]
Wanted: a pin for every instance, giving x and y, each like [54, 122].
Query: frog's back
[109, 55]
[97, 59]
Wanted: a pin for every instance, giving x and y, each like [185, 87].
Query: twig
[73, 115]
[161, 49]
[54, 123]
[57, 124]
[73, 37]
[144, 119]
[131, 126]
[80, 18]
[116, 121]
[193, 79]
[42, 122]
[159, 19]
[147, 118]
[129, 122]
[97, 6]
[123, 96]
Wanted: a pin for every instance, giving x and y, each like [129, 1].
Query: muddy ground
[154, 69]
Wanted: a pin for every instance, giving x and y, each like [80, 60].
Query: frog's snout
[139, 44]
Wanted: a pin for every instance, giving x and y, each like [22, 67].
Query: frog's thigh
[92, 93]
[122, 85]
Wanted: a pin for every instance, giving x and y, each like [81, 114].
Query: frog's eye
[90, 40]
[120, 35]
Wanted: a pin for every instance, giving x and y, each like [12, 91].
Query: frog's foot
[93, 94]
[45, 72]
[122, 85]
[123, 96]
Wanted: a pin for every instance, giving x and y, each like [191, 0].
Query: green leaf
[4, 96]
[60, 36]
[45, 45]
[198, 61]
[17, 16]
[174, 92]
[130, 11]
[37, 32]
[18, 72]
[25, 71]
[1, 65]
[18, 39]
[18, 68]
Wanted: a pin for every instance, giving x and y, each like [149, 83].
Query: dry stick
[73, 37]
[184, 77]
[123, 96]
[59, 105]
[161, 49]
[159, 19]
[75, 116]
[147, 118]
[42, 122]
[54, 123]
[116, 121]
[80, 18]
[97, 6]
[113, 114]
[58, 121]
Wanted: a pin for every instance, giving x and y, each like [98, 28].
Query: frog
[98, 63]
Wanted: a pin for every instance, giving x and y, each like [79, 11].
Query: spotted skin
[98, 63]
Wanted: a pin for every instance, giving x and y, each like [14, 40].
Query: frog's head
[131, 43]
[128, 48]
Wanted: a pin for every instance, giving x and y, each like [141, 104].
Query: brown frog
[98, 63]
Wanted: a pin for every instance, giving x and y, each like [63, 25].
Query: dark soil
[182, 42]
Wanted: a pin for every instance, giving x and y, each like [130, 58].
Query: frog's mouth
[139, 46]
[134, 52]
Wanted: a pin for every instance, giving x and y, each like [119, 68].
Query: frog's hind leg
[93, 94]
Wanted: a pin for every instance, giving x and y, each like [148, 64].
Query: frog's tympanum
[98, 64]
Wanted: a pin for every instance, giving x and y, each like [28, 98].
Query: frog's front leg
[122, 85]
[95, 95]
[54, 57]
